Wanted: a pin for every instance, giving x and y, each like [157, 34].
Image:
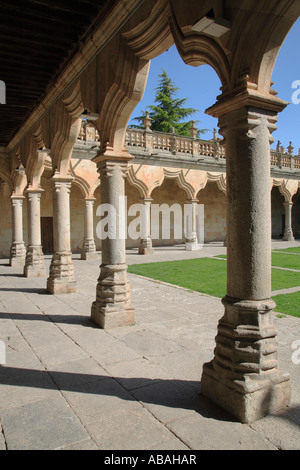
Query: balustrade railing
[161, 143]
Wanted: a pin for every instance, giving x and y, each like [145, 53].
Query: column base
[61, 279]
[56, 286]
[145, 247]
[89, 250]
[17, 254]
[192, 246]
[247, 401]
[112, 307]
[244, 378]
[288, 236]
[112, 316]
[89, 255]
[34, 264]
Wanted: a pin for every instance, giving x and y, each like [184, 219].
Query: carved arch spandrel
[196, 49]
[125, 90]
[85, 175]
[220, 179]
[145, 178]
[288, 188]
[65, 128]
[19, 181]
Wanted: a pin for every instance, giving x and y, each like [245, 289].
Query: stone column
[34, 265]
[145, 247]
[244, 377]
[61, 276]
[89, 247]
[18, 250]
[112, 306]
[288, 230]
[191, 242]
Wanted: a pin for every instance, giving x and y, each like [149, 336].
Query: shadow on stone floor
[169, 393]
[31, 290]
[81, 320]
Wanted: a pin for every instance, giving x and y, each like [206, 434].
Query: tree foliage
[169, 113]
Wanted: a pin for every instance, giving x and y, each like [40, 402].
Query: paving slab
[69, 385]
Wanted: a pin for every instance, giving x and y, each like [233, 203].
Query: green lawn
[208, 276]
[204, 275]
[290, 250]
[281, 259]
[288, 304]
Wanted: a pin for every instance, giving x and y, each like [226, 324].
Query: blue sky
[201, 85]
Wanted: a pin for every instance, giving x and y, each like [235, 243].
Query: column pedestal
[244, 377]
[112, 305]
[61, 275]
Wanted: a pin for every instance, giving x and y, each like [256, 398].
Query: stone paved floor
[68, 385]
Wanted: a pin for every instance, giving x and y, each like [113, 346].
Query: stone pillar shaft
[145, 247]
[89, 247]
[288, 230]
[191, 227]
[34, 265]
[244, 377]
[112, 305]
[18, 250]
[61, 278]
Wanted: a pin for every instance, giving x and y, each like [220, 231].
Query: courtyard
[66, 384]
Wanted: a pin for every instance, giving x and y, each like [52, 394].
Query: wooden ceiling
[37, 39]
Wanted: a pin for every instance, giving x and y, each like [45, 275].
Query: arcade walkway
[69, 385]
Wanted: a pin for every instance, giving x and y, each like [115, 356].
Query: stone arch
[82, 185]
[178, 175]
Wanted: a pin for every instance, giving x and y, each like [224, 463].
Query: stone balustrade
[157, 143]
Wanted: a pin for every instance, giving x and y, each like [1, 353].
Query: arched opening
[133, 197]
[173, 198]
[5, 214]
[47, 215]
[214, 201]
[285, 76]
[198, 85]
[77, 218]
[278, 215]
[296, 215]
